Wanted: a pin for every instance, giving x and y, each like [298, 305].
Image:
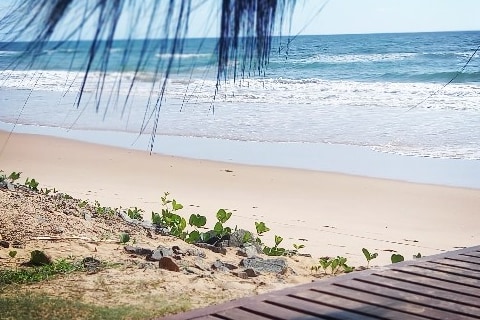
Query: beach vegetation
[296, 248]
[82, 204]
[12, 254]
[369, 256]
[275, 250]
[32, 184]
[135, 213]
[395, 258]
[334, 265]
[41, 306]
[14, 176]
[24, 275]
[222, 216]
[101, 210]
[261, 227]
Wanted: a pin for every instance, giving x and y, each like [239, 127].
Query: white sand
[337, 214]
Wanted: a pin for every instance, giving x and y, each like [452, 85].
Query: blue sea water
[381, 92]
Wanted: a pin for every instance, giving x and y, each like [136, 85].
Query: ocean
[411, 95]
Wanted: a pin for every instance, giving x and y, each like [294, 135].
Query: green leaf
[366, 254]
[218, 228]
[261, 227]
[298, 246]
[12, 254]
[278, 240]
[397, 258]
[247, 237]
[193, 236]
[223, 215]
[176, 206]
[197, 220]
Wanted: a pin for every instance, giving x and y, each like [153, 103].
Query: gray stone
[161, 252]
[241, 274]
[249, 251]
[3, 184]
[237, 238]
[196, 253]
[10, 186]
[266, 265]
[223, 266]
[138, 250]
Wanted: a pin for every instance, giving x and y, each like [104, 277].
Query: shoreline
[337, 214]
[323, 157]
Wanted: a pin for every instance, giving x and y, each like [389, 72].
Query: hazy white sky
[345, 16]
[365, 16]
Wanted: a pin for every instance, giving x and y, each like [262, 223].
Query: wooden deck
[444, 286]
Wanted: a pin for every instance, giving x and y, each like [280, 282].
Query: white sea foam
[419, 119]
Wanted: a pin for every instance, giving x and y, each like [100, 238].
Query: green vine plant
[32, 184]
[14, 176]
[335, 265]
[275, 250]
[99, 209]
[135, 213]
[369, 256]
[395, 258]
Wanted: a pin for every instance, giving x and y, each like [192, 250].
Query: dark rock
[177, 250]
[237, 238]
[18, 245]
[218, 241]
[39, 258]
[167, 263]
[266, 265]
[212, 248]
[138, 250]
[3, 184]
[4, 244]
[223, 266]
[248, 251]
[251, 273]
[91, 264]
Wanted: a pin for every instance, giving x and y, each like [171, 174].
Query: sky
[341, 17]
[365, 16]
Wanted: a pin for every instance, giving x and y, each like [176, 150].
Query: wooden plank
[458, 264]
[437, 274]
[431, 305]
[392, 303]
[430, 282]
[271, 310]
[473, 253]
[451, 270]
[317, 309]
[444, 286]
[209, 317]
[240, 314]
[421, 289]
[359, 305]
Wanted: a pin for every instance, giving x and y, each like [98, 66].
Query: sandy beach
[331, 214]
